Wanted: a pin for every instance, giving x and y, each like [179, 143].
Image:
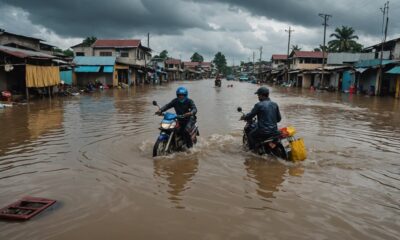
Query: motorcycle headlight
[168, 125]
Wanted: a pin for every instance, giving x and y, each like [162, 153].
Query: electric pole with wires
[289, 31]
[379, 79]
[325, 24]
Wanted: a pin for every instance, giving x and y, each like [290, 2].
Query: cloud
[236, 28]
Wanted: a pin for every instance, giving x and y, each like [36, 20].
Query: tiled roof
[308, 54]
[131, 43]
[279, 57]
[173, 61]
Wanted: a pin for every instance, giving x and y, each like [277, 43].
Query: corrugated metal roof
[21, 53]
[172, 61]
[373, 63]
[101, 61]
[395, 70]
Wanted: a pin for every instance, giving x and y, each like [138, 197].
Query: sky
[237, 28]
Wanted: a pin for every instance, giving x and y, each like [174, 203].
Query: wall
[298, 65]
[88, 51]
[396, 52]
[306, 81]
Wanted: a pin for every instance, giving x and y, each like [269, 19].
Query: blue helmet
[182, 91]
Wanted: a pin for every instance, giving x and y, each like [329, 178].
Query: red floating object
[25, 208]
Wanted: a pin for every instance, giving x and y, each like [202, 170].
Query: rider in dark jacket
[268, 116]
[183, 106]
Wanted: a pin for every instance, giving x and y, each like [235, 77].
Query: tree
[296, 48]
[164, 54]
[197, 57]
[88, 41]
[345, 40]
[320, 48]
[68, 53]
[220, 62]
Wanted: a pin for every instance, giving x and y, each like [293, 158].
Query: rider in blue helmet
[183, 106]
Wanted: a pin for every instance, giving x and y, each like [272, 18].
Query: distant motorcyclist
[268, 116]
[183, 106]
[218, 81]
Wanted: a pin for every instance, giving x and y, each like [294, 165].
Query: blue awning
[87, 69]
[395, 70]
[108, 69]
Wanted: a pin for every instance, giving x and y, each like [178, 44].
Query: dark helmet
[182, 91]
[262, 91]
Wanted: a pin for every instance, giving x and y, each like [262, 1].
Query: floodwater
[92, 153]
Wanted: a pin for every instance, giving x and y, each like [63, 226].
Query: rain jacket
[268, 116]
[181, 107]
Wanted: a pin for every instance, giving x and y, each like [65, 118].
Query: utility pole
[259, 66]
[379, 79]
[290, 30]
[254, 55]
[148, 40]
[325, 24]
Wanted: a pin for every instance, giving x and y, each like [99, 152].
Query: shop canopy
[395, 70]
[91, 69]
[108, 69]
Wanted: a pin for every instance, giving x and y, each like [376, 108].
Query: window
[124, 54]
[80, 54]
[105, 54]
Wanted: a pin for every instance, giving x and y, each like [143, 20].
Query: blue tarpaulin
[395, 70]
[108, 69]
[87, 69]
[66, 77]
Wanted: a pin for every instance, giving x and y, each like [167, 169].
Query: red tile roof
[130, 43]
[173, 61]
[279, 57]
[191, 64]
[308, 54]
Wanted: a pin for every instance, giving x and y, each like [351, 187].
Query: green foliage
[345, 40]
[68, 53]
[220, 62]
[197, 57]
[88, 41]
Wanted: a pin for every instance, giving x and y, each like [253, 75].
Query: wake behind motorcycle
[170, 139]
[282, 145]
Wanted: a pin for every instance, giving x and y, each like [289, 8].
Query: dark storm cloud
[363, 15]
[79, 18]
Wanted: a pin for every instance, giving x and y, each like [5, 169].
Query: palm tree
[345, 40]
[296, 48]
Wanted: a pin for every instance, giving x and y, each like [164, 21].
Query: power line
[289, 31]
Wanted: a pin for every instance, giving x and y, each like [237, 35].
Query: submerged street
[93, 154]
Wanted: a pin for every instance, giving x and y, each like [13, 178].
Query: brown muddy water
[92, 153]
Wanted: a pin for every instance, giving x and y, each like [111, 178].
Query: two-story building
[174, 69]
[131, 57]
[305, 69]
[279, 61]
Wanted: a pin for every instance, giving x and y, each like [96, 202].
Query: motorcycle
[218, 82]
[277, 145]
[170, 140]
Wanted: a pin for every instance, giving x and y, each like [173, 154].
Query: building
[174, 69]
[27, 72]
[305, 69]
[191, 70]
[131, 58]
[279, 61]
[95, 69]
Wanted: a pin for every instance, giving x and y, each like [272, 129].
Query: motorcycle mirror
[239, 109]
[155, 103]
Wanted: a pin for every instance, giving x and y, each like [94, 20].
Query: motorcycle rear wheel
[159, 148]
[279, 151]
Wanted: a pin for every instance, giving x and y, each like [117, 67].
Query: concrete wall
[306, 81]
[298, 65]
[29, 43]
[334, 79]
[88, 51]
[396, 52]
